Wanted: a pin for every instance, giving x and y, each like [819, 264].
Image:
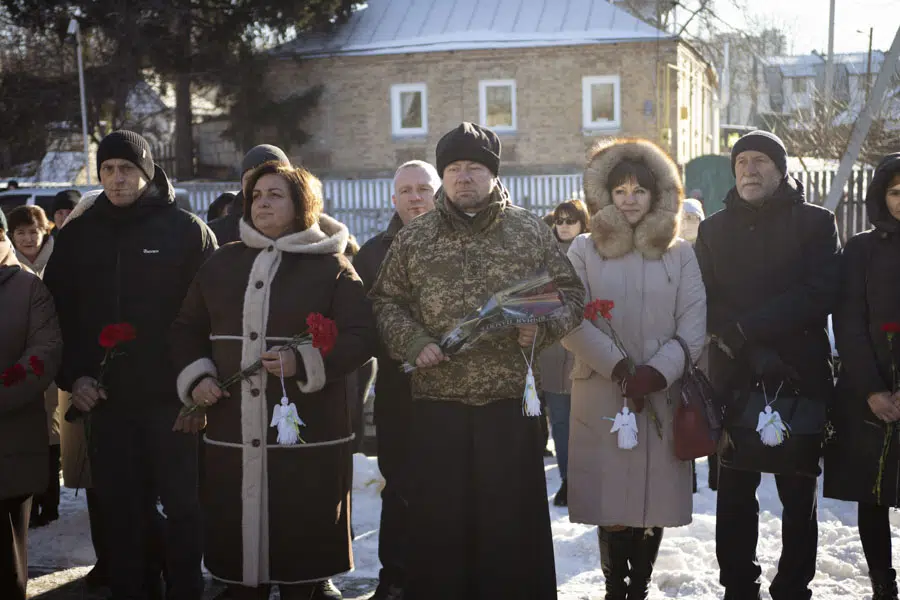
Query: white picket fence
[364, 205]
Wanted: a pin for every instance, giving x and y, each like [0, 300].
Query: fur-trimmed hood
[612, 235]
[328, 236]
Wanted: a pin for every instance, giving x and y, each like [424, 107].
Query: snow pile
[686, 567]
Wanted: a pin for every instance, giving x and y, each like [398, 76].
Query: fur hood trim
[656, 233]
[328, 236]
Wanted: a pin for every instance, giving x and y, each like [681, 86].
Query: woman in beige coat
[634, 258]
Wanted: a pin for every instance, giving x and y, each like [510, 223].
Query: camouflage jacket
[442, 266]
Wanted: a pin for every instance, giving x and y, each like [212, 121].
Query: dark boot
[644, 549]
[562, 496]
[884, 584]
[615, 547]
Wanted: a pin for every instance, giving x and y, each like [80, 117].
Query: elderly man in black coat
[770, 262]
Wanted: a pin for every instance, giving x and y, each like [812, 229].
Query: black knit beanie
[469, 142]
[64, 201]
[765, 142]
[126, 145]
[263, 154]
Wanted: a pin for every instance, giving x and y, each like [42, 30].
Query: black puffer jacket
[131, 265]
[392, 387]
[227, 228]
[870, 298]
[775, 270]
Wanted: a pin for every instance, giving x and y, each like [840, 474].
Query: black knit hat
[126, 145]
[64, 201]
[263, 154]
[765, 142]
[469, 142]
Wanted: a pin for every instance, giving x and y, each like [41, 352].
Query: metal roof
[401, 26]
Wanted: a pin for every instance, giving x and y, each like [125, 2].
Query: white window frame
[483, 85]
[587, 103]
[396, 114]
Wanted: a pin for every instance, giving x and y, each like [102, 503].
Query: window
[497, 104]
[409, 109]
[799, 85]
[601, 102]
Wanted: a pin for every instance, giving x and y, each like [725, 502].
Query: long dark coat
[275, 514]
[28, 327]
[870, 297]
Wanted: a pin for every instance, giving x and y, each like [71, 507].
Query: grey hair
[425, 166]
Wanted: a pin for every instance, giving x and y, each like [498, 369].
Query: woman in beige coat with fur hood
[634, 258]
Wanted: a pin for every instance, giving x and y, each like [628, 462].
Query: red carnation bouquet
[18, 372]
[110, 338]
[321, 333]
[890, 330]
[603, 309]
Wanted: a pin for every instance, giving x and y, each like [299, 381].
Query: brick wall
[351, 129]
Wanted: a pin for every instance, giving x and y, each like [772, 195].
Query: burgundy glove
[620, 371]
[645, 380]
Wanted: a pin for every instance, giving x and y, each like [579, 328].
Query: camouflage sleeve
[392, 296]
[569, 286]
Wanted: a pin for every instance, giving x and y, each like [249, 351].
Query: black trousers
[875, 535]
[737, 532]
[14, 513]
[479, 516]
[136, 459]
[392, 429]
[46, 504]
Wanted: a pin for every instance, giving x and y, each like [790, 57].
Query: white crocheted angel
[288, 422]
[626, 426]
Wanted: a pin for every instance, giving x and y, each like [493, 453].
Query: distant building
[550, 77]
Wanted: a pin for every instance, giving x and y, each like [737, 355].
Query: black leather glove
[765, 362]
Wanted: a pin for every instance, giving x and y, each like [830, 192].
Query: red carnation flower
[323, 332]
[13, 375]
[598, 307]
[37, 365]
[892, 327]
[113, 335]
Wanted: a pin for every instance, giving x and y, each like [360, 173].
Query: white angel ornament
[772, 430]
[626, 426]
[288, 422]
[285, 417]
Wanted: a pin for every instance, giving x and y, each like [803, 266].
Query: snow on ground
[686, 567]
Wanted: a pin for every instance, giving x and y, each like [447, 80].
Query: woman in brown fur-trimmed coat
[275, 514]
[634, 258]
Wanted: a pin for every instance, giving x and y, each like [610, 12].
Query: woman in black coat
[868, 399]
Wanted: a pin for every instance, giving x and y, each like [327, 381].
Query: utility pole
[725, 82]
[75, 27]
[829, 63]
[869, 67]
[861, 128]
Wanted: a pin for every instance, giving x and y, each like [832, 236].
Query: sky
[806, 22]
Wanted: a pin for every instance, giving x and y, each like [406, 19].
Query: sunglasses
[564, 221]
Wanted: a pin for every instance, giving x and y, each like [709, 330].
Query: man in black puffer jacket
[770, 262]
[128, 256]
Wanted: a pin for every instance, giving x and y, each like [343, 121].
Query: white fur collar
[328, 236]
[657, 232]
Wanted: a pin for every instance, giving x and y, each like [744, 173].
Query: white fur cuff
[315, 369]
[190, 374]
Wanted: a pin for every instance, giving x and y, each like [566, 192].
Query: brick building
[550, 77]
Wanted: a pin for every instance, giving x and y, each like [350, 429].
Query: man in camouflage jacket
[478, 508]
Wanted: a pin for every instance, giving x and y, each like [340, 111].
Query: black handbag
[698, 416]
[742, 448]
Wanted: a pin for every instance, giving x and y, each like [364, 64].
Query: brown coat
[51, 396]
[275, 514]
[654, 280]
[29, 327]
